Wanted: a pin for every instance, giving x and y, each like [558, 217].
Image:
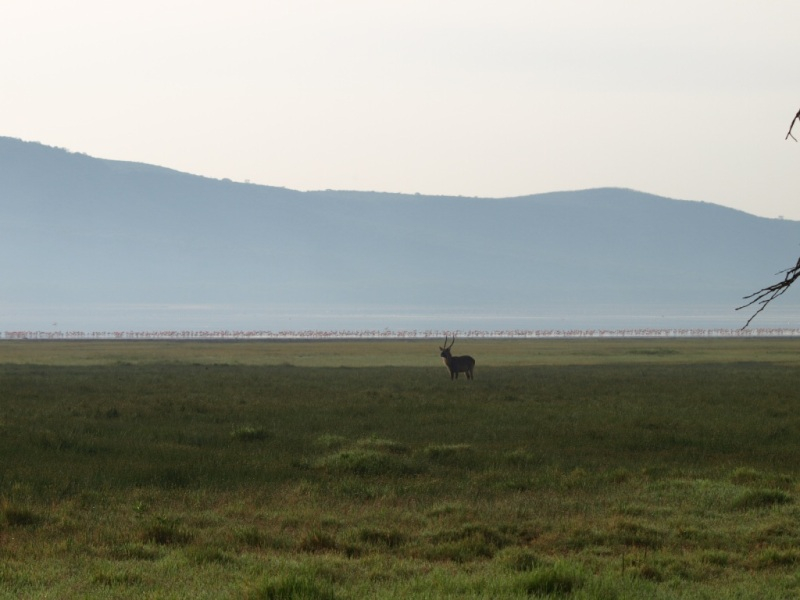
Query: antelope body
[456, 364]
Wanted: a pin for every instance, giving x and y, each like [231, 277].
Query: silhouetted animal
[456, 364]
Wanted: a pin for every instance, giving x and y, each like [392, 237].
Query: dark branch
[766, 295]
[789, 135]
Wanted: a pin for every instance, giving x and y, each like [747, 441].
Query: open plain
[591, 468]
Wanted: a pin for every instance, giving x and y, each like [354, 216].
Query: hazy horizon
[120, 246]
[182, 317]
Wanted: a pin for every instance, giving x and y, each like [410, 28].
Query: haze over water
[215, 318]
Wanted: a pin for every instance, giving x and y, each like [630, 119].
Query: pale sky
[688, 99]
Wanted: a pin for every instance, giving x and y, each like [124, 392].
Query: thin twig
[789, 135]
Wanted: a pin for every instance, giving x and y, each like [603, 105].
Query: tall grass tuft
[166, 532]
[450, 454]
[518, 559]
[18, 516]
[381, 537]
[762, 498]
[292, 587]
[465, 543]
[778, 558]
[317, 540]
[557, 580]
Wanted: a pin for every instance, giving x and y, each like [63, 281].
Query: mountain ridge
[95, 232]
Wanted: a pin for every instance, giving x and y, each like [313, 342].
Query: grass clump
[318, 540]
[19, 516]
[117, 579]
[331, 442]
[557, 580]
[292, 587]
[778, 558]
[521, 458]
[136, 551]
[371, 457]
[166, 532]
[367, 463]
[761, 498]
[250, 536]
[453, 455]
[521, 560]
[718, 558]
[249, 434]
[637, 534]
[466, 543]
[254, 538]
[382, 445]
[381, 537]
[204, 555]
[746, 476]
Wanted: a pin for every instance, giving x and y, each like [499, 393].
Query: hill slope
[77, 231]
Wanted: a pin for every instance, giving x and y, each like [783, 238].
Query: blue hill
[80, 234]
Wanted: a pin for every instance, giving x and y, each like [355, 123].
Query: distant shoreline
[369, 334]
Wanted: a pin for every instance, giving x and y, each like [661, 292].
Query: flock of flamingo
[366, 334]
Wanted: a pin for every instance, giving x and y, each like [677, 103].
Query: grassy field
[567, 468]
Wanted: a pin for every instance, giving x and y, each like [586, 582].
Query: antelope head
[446, 349]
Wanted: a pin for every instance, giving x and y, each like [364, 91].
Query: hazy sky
[689, 99]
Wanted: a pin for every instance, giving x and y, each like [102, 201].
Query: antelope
[456, 364]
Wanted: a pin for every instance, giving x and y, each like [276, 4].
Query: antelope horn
[453, 342]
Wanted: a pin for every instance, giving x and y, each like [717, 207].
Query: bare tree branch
[766, 295]
[789, 135]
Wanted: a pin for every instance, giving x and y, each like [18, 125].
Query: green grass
[567, 468]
